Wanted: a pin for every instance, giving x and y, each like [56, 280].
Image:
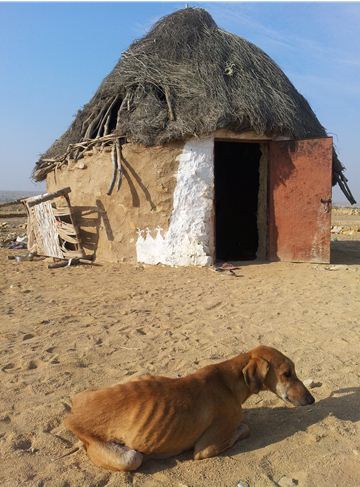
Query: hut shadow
[89, 219]
[271, 425]
[103, 215]
[346, 252]
[130, 174]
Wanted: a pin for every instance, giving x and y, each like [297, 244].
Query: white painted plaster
[189, 238]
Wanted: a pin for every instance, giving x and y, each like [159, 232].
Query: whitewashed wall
[189, 238]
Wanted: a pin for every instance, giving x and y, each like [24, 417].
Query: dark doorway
[236, 200]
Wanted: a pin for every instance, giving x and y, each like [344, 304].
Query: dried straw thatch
[188, 77]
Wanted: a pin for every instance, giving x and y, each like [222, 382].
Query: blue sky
[53, 57]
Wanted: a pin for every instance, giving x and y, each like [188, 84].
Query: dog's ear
[255, 373]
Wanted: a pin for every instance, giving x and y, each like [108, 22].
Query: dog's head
[269, 369]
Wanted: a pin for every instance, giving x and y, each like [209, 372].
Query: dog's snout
[305, 398]
[299, 395]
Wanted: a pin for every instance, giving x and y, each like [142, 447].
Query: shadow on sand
[271, 425]
[345, 252]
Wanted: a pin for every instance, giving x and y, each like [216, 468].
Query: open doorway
[236, 200]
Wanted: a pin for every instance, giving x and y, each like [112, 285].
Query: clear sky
[53, 57]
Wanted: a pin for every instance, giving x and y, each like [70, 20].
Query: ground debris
[287, 482]
[311, 384]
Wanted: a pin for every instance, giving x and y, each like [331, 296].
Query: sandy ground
[68, 329]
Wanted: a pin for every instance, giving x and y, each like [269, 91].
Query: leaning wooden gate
[52, 230]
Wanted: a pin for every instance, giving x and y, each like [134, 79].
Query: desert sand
[65, 330]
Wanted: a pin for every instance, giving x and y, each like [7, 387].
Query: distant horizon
[40, 186]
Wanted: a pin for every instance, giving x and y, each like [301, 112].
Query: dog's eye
[287, 374]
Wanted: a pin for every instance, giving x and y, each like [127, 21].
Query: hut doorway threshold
[236, 170]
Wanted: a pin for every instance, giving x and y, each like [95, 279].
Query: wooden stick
[46, 197]
[57, 265]
[104, 118]
[107, 123]
[84, 125]
[123, 103]
[88, 262]
[119, 155]
[117, 128]
[342, 181]
[85, 144]
[70, 262]
[168, 101]
[108, 115]
[115, 166]
[101, 126]
[93, 124]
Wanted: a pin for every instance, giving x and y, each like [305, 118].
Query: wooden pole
[47, 197]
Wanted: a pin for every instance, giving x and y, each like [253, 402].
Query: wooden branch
[168, 101]
[107, 124]
[77, 153]
[108, 115]
[84, 145]
[84, 124]
[30, 202]
[104, 118]
[49, 160]
[71, 261]
[119, 157]
[88, 130]
[93, 124]
[118, 114]
[101, 126]
[115, 167]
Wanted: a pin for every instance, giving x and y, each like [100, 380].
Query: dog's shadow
[270, 425]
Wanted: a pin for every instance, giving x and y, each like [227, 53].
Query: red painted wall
[300, 200]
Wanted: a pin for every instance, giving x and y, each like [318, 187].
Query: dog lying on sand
[154, 416]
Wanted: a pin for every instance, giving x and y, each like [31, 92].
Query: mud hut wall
[189, 239]
[164, 210]
[109, 223]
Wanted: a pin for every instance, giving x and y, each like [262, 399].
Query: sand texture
[68, 329]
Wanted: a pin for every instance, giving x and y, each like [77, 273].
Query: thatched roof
[188, 77]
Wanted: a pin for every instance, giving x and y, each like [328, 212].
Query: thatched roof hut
[186, 78]
[197, 149]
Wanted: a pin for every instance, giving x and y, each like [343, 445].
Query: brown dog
[160, 417]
